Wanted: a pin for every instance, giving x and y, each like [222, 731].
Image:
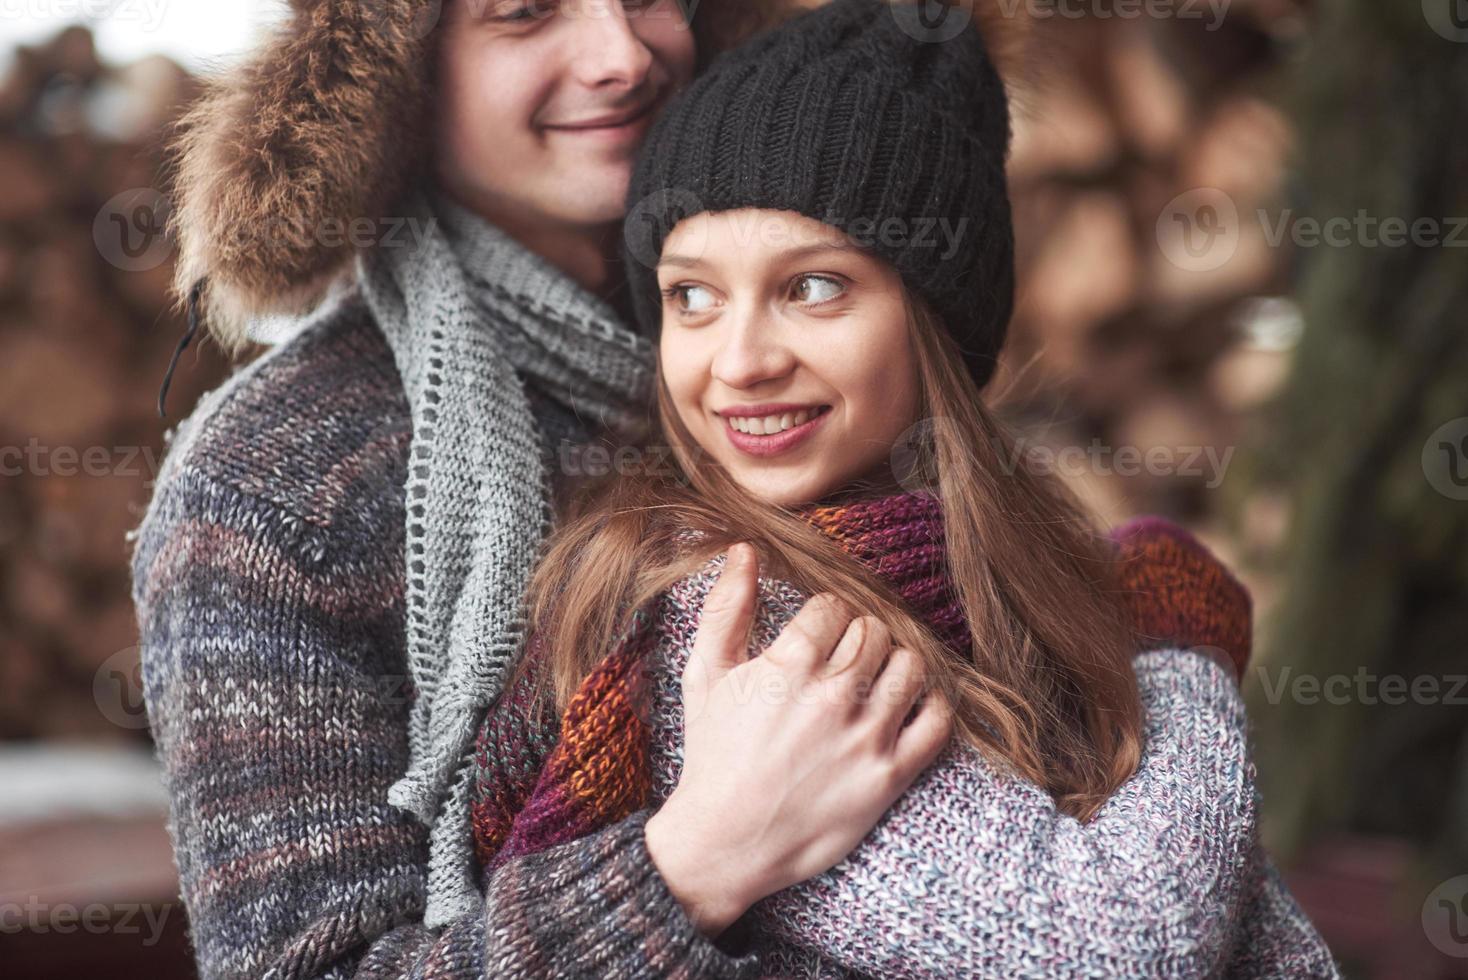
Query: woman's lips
[780, 442]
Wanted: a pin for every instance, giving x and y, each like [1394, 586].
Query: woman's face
[786, 351]
[542, 104]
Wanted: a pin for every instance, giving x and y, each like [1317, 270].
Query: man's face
[542, 104]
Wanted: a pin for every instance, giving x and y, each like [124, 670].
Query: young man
[329, 574]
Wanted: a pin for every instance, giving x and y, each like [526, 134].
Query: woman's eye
[690, 298]
[814, 289]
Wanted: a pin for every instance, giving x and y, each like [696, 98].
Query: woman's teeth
[770, 424]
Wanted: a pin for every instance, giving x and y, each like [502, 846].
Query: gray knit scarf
[472, 317]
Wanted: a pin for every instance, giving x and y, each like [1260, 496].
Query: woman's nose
[751, 352]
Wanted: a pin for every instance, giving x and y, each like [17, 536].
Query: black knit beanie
[885, 120]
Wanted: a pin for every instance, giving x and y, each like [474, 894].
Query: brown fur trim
[316, 130]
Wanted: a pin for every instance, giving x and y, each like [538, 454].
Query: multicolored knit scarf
[596, 769]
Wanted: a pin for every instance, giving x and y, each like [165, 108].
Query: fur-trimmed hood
[321, 126]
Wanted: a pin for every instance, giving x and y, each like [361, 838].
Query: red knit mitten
[1179, 594]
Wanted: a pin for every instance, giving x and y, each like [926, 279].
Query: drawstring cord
[183, 342]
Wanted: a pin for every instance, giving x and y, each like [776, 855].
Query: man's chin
[598, 195]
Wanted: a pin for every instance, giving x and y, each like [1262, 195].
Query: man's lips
[610, 120]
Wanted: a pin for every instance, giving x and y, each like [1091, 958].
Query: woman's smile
[769, 430]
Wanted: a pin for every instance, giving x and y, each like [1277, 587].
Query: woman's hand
[789, 758]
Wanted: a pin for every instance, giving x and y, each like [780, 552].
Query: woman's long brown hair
[1047, 686]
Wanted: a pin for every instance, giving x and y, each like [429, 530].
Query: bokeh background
[1243, 239]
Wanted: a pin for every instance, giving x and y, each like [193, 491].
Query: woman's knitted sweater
[973, 872]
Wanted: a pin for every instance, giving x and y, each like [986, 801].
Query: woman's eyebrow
[806, 251]
[785, 255]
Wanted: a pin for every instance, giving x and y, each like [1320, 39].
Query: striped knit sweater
[268, 576]
[972, 872]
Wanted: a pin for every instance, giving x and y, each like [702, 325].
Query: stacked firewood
[85, 329]
[1148, 174]
[1143, 362]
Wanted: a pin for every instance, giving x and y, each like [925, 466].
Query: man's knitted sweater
[973, 872]
[269, 583]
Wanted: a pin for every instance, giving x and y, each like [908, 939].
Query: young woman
[1094, 813]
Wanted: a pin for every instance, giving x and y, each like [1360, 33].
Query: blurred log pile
[1120, 344]
[1122, 115]
[1152, 315]
[85, 331]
